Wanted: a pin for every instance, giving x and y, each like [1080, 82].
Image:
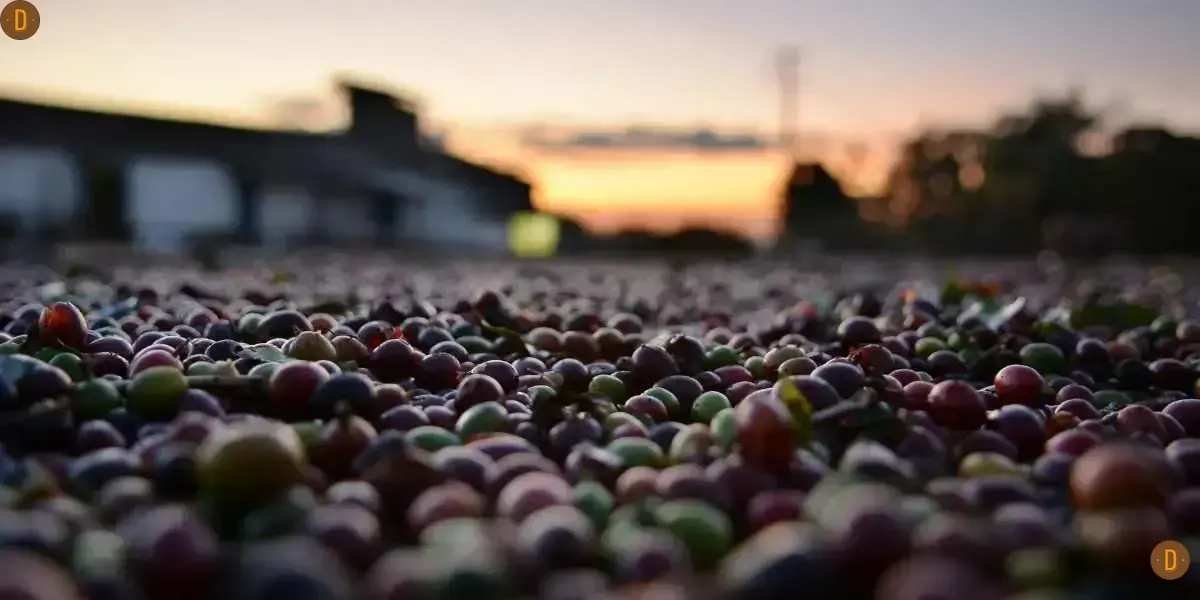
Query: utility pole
[787, 68]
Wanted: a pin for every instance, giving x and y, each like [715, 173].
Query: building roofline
[19, 113]
[352, 82]
[8, 103]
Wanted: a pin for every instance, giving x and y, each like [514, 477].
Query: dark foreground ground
[353, 425]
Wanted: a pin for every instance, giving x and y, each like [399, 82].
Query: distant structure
[163, 184]
[795, 188]
[814, 203]
[787, 66]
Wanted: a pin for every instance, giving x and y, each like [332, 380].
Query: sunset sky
[493, 74]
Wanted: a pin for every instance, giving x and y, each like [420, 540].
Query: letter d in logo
[1170, 560]
[20, 19]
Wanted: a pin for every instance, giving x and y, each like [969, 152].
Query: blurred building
[816, 209]
[163, 184]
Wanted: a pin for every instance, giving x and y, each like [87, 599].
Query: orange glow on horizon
[608, 191]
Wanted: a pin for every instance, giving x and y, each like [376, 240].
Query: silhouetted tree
[1040, 150]
[1021, 184]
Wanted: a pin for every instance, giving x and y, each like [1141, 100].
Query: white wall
[347, 219]
[169, 199]
[39, 184]
[442, 212]
[451, 218]
[284, 213]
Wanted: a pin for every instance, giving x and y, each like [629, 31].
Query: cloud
[646, 138]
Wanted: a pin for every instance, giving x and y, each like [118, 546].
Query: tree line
[1050, 176]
